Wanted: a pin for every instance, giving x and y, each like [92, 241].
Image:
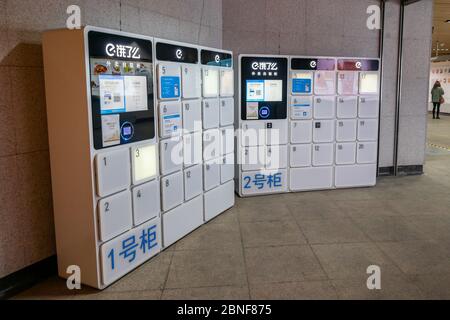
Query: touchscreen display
[264, 90]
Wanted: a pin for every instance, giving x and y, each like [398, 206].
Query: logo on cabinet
[179, 54]
[358, 65]
[217, 58]
[265, 66]
[264, 112]
[122, 51]
[127, 131]
[313, 64]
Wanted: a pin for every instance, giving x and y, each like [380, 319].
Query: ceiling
[441, 29]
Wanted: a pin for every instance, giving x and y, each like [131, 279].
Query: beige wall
[26, 222]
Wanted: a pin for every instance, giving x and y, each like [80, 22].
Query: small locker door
[277, 133]
[318, 178]
[253, 133]
[369, 83]
[301, 108]
[367, 152]
[193, 182]
[211, 114]
[356, 176]
[113, 172]
[369, 107]
[346, 130]
[368, 130]
[227, 168]
[169, 84]
[211, 144]
[171, 152]
[276, 157]
[226, 112]
[347, 107]
[227, 83]
[323, 154]
[146, 202]
[325, 83]
[253, 158]
[345, 153]
[211, 174]
[191, 82]
[348, 83]
[323, 131]
[227, 142]
[324, 107]
[172, 188]
[301, 132]
[210, 83]
[170, 122]
[302, 82]
[192, 116]
[115, 215]
[193, 149]
[300, 155]
[144, 160]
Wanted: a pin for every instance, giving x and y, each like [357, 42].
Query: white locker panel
[301, 131]
[301, 107]
[304, 179]
[193, 149]
[144, 160]
[182, 221]
[171, 153]
[146, 202]
[115, 215]
[227, 141]
[356, 176]
[113, 172]
[253, 133]
[301, 155]
[276, 157]
[347, 107]
[323, 131]
[211, 144]
[211, 114]
[191, 80]
[263, 182]
[346, 130]
[323, 155]
[278, 134]
[324, 107]
[227, 83]
[193, 182]
[210, 83]
[367, 152]
[369, 107]
[219, 200]
[211, 174]
[227, 168]
[192, 116]
[368, 129]
[345, 153]
[172, 191]
[369, 83]
[169, 81]
[226, 112]
[253, 158]
[170, 119]
[348, 83]
[325, 83]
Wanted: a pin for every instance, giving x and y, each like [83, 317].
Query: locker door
[169, 81]
[369, 83]
[253, 133]
[348, 83]
[253, 158]
[113, 172]
[369, 107]
[277, 134]
[193, 182]
[323, 154]
[346, 130]
[211, 144]
[146, 202]
[324, 107]
[144, 163]
[227, 83]
[347, 107]
[304, 179]
[172, 188]
[301, 132]
[226, 112]
[276, 157]
[211, 114]
[301, 107]
[323, 131]
[356, 176]
[211, 174]
[302, 82]
[192, 116]
[345, 153]
[193, 149]
[227, 142]
[300, 155]
[115, 215]
[170, 120]
[210, 83]
[367, 152]
[227, 168]
[171, 152]
[368, 130]
[191, 81]
[325, 83]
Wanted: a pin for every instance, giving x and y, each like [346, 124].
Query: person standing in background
[437, 97]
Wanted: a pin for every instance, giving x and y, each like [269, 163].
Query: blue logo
[127, 131]
[264, 112]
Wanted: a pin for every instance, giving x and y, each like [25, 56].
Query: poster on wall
[440, 71]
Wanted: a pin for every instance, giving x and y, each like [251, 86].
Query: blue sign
[261, 181]
[301, 86]
[170, 87]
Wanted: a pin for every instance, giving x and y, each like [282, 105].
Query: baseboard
[28, 277]
[402, 171]
[386, 171]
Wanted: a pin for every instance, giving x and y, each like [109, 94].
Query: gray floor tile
[212, 293]
[315, 210]
[332, 231]
[434, 286]
[311, 290]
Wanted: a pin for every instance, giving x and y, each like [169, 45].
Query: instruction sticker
[111, 130]
[171, 124]
[170, 87]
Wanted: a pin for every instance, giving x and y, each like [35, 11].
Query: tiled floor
[308, 246]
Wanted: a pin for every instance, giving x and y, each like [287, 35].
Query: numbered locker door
[227, 83]
[277, 133]
[367, 152]
[253, 158]
[323, 154]
[211, 174]
[115, 215]
[301, 108]
[227, 168]
[211, 114]
[369, 107]
[210, 83]
[325, 83]
[169, 81]
[211, 144]
[368, 130]
[144, 159]
[276, 157]
[227, 142]
[347, 107]
[192, 116]
[346, 130]
[193, 182]
[226, 112]
[301, 132]
[146, 202]
[170, 120]
[348, 83]
[323, 131]
[300, 155]
[302, 82]
[171, 153]
[253, 133]
[191, 82]
[193, 149]
[324, 107]
[345, 153]
[172, 191]
[113, 172]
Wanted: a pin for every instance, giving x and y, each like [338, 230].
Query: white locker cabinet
[182, 220]
[369, 107]
[356, 176]
[210, 83]
[346, 130]
[347, 107]
[172, 190]
[276, 157]
[170, 119]
[211, 174]
[304, 179]
[253, 133]
[227, 168]
[277, 134]
[264, 182]
[300, 155]
[253, 158]
[115, 215]
[301, 107]
[325, 83]
[348, 83]
[367, 152]
[227, 83]
[226, 112]
[301, 131]
[146, 202]
[144, 161]
[113, 172]
[211, 144]
[169, 81]
[227, 141]
[192, 116]
[171, 154]
[211, 114]
[367, 129]
[324, 107]
[193, 149]
[345, 153]
[219, 200]
[193, 182]
[323, 154]
[191, 80]
[323, 131]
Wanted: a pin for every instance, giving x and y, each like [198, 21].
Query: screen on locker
[263, 87]
[218, 59]
[121, 81]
